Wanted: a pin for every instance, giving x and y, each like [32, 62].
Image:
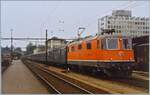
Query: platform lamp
[11, 30]
[46, 46]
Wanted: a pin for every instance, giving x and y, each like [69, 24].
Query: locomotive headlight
[110, 59]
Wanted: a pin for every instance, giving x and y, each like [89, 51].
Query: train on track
[141, 52]
[111, 54]
[6, 60]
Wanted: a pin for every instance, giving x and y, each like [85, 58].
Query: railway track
[136, 81]
[141, 73]
[57, 84]
[137, 86]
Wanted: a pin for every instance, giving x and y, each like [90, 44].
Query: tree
[18, 49]
[5, 49]
[29, 49]
[17, 52]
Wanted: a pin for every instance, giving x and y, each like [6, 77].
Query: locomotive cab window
[112, 43]
[68, 50]
[88, 45]
[103, 44]
[72, 48]
[127, 44]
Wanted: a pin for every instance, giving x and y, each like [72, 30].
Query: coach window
[88, 45]
[79, 46]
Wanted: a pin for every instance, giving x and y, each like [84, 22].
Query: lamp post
[11, 44]
[46, 48]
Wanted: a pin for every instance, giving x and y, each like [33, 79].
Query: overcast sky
[31, 18]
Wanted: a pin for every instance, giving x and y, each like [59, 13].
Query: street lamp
[46, 47]
[11, 44]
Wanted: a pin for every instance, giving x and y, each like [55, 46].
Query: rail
[72, 88]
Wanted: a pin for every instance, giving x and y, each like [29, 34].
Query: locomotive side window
[126, 44]
[88, 45]
[68, 50]
[98, 44]
[103, 44]
[112, 43]
[72, 48]
[79, 46]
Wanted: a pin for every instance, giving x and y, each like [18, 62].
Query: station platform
[18, 79]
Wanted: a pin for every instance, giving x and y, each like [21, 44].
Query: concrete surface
[19, 79]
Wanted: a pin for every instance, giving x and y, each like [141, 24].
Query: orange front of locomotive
[116, 49]
[117, 56]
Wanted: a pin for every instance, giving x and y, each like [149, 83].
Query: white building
[55, 42]
[122, 21]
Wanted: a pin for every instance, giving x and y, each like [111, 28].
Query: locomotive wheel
[118, 73]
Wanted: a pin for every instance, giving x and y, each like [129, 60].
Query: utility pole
[46, 47]
[11, 44]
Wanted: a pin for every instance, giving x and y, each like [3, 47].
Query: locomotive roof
[78, 41]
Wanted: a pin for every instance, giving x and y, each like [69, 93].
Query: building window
[111, 26]
[108, 22]
[119, 27]
[88, 45]
[127, 18]
[147, 27]
[79, 46]
[147, 32]
[109, 17]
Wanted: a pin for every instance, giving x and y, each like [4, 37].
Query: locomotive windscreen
[110, 43]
